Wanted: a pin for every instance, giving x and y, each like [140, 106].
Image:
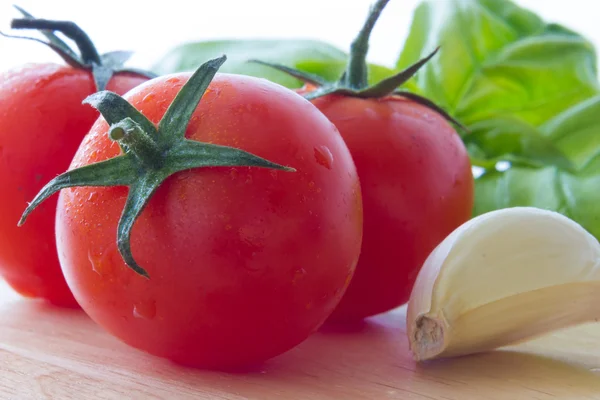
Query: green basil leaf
[575, 195]
[312, 56]
[498, 59]
[528, 92]
[509, 139]
[576, 132]
[531, 80]
[499, 62]
[574, 192]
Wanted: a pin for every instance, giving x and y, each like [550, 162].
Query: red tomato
[244, 262]
[417, 187]
[42, 123]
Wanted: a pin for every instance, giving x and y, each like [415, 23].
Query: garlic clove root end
[501, 278]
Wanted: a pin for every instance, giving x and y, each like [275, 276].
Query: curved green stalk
[102, 66]
[354, 82]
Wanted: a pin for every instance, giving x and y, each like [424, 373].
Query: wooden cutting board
[51, 353]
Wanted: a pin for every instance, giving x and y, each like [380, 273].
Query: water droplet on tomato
[323, 156]
[96, 261]
[145, 309]
[147, 98]
[172, 80]
[92, 196]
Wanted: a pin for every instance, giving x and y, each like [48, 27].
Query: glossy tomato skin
[42, 123]
[417, 187]
[244, 263]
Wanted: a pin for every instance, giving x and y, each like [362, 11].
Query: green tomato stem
[357, 72]
[130, 134]
[88, 51]
[102, 66]
[354, 81]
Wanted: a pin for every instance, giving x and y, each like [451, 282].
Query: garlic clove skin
[501, 278]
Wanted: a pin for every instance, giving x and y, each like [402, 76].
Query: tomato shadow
[322, 345]
[324, 360]
[327, 337]
[354, 327]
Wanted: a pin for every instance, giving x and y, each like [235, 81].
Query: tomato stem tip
[103, 67]
[354, 79]
[356, 74]
[129, 133]
[89, 54]
[117, 133]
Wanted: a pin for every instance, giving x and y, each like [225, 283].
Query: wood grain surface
[51, 353]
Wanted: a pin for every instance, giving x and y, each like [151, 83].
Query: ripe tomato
[244, 262]
[414, 170]
[42, 123]
[417, 187]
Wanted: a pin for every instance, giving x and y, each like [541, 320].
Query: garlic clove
[501, 278]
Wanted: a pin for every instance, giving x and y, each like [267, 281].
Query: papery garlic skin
[503, 277]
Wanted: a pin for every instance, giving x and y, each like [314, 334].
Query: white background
[151, 27]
